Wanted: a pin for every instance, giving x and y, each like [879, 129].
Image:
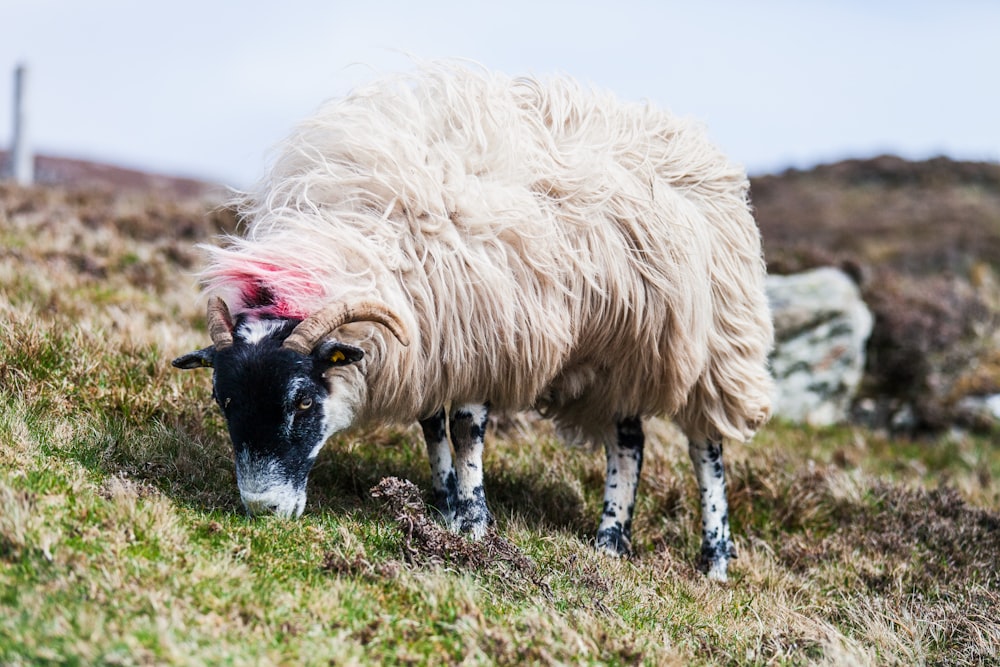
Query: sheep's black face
[273, 402]
[278, 407]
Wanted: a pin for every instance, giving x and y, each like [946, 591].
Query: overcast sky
[204, 88]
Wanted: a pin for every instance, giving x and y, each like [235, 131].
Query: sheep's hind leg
[614, 535]
[442, 470]
[717, 547]
[468, 427]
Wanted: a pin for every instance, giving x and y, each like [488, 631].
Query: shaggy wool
[545, 244]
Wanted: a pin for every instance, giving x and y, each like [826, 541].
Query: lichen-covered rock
[821, 328]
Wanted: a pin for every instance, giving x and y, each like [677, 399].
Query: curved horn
[220, 323]
[310, 331]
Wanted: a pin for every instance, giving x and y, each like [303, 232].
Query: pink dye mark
[264, 288]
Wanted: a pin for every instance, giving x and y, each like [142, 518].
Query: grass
[122, 539]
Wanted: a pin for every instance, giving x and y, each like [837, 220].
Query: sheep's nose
[284, 500]
[259, 505]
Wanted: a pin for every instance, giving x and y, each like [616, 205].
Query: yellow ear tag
[337, 356]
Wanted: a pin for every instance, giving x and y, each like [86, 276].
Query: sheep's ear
[334, 353]
[204, 358]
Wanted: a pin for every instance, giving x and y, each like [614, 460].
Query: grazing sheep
[526, 244]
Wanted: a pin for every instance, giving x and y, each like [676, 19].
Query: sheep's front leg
[442, 470]
[716, 546]
[614, 535]
[468, 427]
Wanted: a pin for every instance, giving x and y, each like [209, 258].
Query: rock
[821, 328]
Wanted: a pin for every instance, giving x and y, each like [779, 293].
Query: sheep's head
[284, 386]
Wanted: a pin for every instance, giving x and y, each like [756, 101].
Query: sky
[205, 88]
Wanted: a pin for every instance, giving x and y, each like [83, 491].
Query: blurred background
[204, 89]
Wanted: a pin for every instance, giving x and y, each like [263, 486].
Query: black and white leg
[468, 428]
[442, 470]
[614, 535]
[717, 547]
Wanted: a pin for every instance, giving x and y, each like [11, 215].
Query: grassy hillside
[122, 540]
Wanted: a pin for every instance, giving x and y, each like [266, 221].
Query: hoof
[613, 542]
[474, 522]
[714, 559]
[443, 505]
[473, 528]
[717, 571]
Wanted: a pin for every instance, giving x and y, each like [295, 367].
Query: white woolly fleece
[546, 245]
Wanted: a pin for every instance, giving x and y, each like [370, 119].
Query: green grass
[122, 540]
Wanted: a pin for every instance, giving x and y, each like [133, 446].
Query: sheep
[441, 244]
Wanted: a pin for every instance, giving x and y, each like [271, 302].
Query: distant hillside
[916, 217]
[74, 173]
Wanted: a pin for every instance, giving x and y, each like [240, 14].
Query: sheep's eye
[304, 403]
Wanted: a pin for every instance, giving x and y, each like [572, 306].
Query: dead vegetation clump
[426, 542]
